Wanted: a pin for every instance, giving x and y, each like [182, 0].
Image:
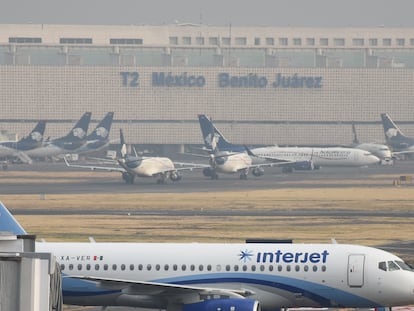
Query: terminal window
[357, 42]
[256, 41]
[213, 41]
[226, 41]
[130, 41]
[339, 41]
[75, 40]
[386, 42]
[400, 41]
[174, 40]
[297, 41]
[310, 41]
[270, 41]
[283, 41]
[24, 40]
[241, 40]
[323, 41]
[200, 40]
[186, 40]
[373, 42]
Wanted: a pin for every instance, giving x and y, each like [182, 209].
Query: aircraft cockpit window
[403, 265]
[382, 265]
[392, 266]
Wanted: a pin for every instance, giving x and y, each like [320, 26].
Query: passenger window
[96, 267]
[270, 268]
[183, 267]
[105, 267]
[79, 267]
[131, 267]
[192, 267]
[166, 267]
[70, 267]
[315, 268]
[175, 267]
[297, 268]
[227, 267]
[253, 268]
[149, 267]
[209, 268]
[262, 268]
[200, 267]
[306, 268]
[157, 267]
[323, 268]
[236, 268]
[279, 268]
[140, 267]
[288, 268]
[114, 267]
[88, 267]
[244, 268]
[122, 267]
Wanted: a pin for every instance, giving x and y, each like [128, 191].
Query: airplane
[292, 158]
[249, 276]
[228, 161]
[99, 138]
[395, 138]
[383, 152]
[67, 144]
[18, 149]
[131, 166]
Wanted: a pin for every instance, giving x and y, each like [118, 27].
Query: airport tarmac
[16, 181]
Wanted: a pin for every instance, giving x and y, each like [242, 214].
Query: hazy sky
[389, 13]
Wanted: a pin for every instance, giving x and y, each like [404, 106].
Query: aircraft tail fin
[101, 131]
[356, 140]
[391, 130]
[124, 152]
[213, 138]
[8, 223]
[80, 129]
[35, 137]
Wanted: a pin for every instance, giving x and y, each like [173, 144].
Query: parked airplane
[395, 138]
[214, 276]
[18, 149]
[383, 152]
[292, 158]
[67, 144]
[99, 138]
[132, 165]
[228, 161]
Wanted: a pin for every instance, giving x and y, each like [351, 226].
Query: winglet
[8, 223]
[123, 145]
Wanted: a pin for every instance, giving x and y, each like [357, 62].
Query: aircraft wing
[183, 166]
[96, 167]
[162, 289]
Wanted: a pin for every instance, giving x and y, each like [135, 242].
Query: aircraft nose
[374, 159]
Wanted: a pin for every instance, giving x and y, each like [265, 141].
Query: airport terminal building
[261, 85]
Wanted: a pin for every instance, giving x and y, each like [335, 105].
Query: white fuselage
[47, 150]
[151, 166]
[234, 163]
[332, 156]
[276, 275]
[383, 152]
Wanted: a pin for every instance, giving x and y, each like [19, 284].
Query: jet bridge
[29, 281]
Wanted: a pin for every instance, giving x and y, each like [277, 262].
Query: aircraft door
[356, 270]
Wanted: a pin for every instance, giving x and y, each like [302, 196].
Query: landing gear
[214, 176]
[161, 180]
[243, 176]
[128, 178]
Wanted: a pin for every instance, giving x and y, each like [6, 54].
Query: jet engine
[175, 176]
[208, 172]
[229, 304]
[258, 171]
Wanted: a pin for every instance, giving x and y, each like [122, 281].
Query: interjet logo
[245, 255]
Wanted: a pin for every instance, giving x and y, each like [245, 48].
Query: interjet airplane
[223, 276]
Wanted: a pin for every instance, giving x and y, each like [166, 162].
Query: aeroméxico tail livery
[244, 277]
[395, 138]
[131, 166]
[20, 148]
[297, 158]
[99, 137]
[67, 144]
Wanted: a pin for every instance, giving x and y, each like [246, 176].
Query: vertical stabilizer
[80, 129]
[8, 223]
[101, 131]
[213, 138]
[34, 139]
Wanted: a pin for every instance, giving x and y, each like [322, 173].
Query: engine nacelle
[230, 304]
[304, 166]
[258, 171]
[208, 171]
[175, 176]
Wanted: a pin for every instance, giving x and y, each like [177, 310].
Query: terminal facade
[261, 85]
